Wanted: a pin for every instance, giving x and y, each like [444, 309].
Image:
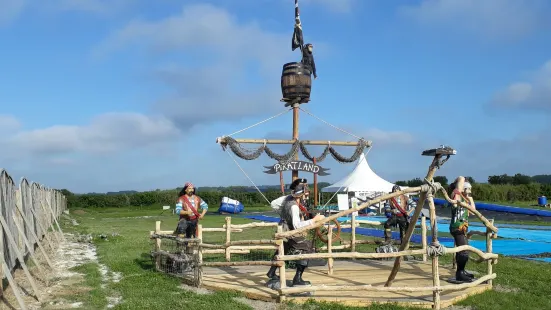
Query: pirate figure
[308, 58]
[298, 244]
[396, 210]
[459, 225]
[277, 206]
[187, 208]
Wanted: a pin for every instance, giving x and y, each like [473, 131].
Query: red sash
[303, 209]
[395, 203]
[190, 206]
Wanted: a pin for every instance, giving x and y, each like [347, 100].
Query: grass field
[520, 284]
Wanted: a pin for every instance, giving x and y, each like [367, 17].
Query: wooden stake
[228, 238]
[39, 222]
[38, 242]
[199, 279]
[409, 232]
[424, 236]
[31, 250]
[55, 220]
[489, 250]
[330, 249]
[435, 271]
[14, 247]
[282, 275]
[158, 246]
[353, 233]
[315, 187]
[12, 283]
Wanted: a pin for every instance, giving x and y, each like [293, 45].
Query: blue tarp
[500, 208]
[231, 208]
[541, 240]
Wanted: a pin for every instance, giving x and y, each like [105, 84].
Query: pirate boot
[272, 273]
[297, 280]
[460, 274]
[388, 236]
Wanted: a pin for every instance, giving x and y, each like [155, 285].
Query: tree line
[504, 179]
[482, 192]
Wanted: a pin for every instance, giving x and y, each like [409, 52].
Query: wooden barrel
[296, 82]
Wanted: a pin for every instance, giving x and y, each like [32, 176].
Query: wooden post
[199, 279]
[55, 220]
[281, 182]
[330, 249]
[409, 232]
[31, 250]
[158, 245]
[489, 250]
[435, 271]
[315, 187]
[44, 230]
[11, 240]
[295, 133]
[424, 236]
[282, 275]
[353, 234]
[228, 238]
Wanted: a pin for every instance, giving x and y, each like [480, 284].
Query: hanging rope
[261, 122]
[335, 193]
[245, 173]
[331, 125]
[435, 249]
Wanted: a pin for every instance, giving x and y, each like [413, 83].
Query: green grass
[520, 284]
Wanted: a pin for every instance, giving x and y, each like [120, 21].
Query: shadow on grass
[145, 261]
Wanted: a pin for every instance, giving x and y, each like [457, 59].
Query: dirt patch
[58, 286]
[505, 289]
[258, 304]
[80, 212]
[460, 308]
[197, 290]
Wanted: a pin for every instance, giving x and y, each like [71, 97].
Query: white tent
[361, 180]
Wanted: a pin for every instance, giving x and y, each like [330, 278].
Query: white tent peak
[362, 179]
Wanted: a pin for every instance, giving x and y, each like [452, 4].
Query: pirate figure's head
[189, 189]
[309, 47]
[396, 188]
[300, 191]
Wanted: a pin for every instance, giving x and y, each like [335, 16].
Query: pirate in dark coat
[397, 210]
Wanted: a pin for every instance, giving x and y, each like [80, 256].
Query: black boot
[460, 274]
[468, 274]
[297, 280]
[388, 236]
[272, 273]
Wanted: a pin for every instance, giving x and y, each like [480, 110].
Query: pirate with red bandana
[398, 210]
[187, 208]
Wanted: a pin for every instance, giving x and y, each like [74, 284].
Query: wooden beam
[222, 140]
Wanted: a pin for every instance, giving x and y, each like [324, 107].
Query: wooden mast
[295, 134]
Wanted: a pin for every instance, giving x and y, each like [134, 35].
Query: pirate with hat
[291, 220]
[187, 208]
[396, 210]
[277, 205]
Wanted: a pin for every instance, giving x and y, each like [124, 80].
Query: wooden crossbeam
[223, 140]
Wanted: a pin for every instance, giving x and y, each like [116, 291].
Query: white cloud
[534, 94]
[234, 68]
[10, 10]
[496, 18]
[106, 133]
[8, 123]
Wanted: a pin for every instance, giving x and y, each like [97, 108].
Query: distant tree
[500, 179]
[542, 178]
[470, 180]
[415, 182]
[442, 180]
[519, 179]
[401, 183]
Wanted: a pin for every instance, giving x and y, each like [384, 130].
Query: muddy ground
[58, 285]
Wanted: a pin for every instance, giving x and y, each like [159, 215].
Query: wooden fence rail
[29, 220]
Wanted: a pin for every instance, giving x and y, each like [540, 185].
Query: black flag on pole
[298, 40]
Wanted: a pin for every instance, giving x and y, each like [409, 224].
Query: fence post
[435, 271]
[424, 236]
[330, 249]
[489, 250]
[353, 234]
[157, 245]
[228, 238]
[199, 271]
[282, 275]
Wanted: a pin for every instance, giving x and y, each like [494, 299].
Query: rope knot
[436, 249]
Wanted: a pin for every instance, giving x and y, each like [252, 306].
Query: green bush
[482, 192]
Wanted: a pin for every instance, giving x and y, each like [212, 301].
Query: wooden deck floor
[251, 280]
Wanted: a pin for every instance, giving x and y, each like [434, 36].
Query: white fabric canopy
[362, 179]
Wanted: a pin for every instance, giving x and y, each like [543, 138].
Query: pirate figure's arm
[308, 58]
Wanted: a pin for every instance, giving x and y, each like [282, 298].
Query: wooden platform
[251, 281]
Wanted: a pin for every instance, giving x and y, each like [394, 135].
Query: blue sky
[117, 95]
